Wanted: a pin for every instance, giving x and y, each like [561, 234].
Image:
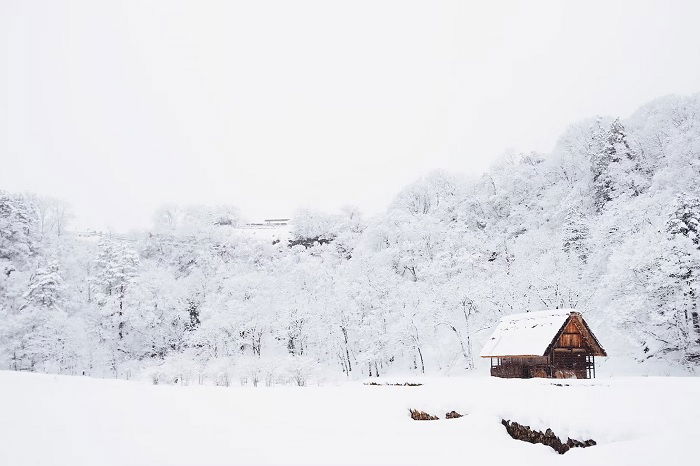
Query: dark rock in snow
[549, 438]
[417, 415]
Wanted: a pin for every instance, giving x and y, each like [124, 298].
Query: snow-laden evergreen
[607, 223]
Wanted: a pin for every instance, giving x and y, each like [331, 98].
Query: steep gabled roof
[534, 333]
[586, 333]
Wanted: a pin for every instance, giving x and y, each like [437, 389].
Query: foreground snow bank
[60, 420]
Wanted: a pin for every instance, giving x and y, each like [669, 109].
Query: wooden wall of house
[509, 371]
[571, 337]
[570, 351]
[572, 361]
[521, 367]
[564, 364]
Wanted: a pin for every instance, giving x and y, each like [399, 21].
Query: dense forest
[606, 223]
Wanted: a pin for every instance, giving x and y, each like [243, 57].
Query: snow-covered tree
[608, 223]
[19, 232]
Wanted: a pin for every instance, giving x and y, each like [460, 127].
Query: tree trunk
[347, 351]
[121, 312]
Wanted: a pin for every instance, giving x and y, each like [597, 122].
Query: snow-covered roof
[527, 334]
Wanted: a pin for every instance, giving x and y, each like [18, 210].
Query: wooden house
[555, 343]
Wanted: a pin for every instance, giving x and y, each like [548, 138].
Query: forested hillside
[606, 223]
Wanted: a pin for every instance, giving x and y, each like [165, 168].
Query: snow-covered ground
[61, 420]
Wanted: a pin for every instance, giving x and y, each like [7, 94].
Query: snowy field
[61, 420]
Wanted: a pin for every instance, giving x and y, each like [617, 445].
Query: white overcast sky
[119, 107]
